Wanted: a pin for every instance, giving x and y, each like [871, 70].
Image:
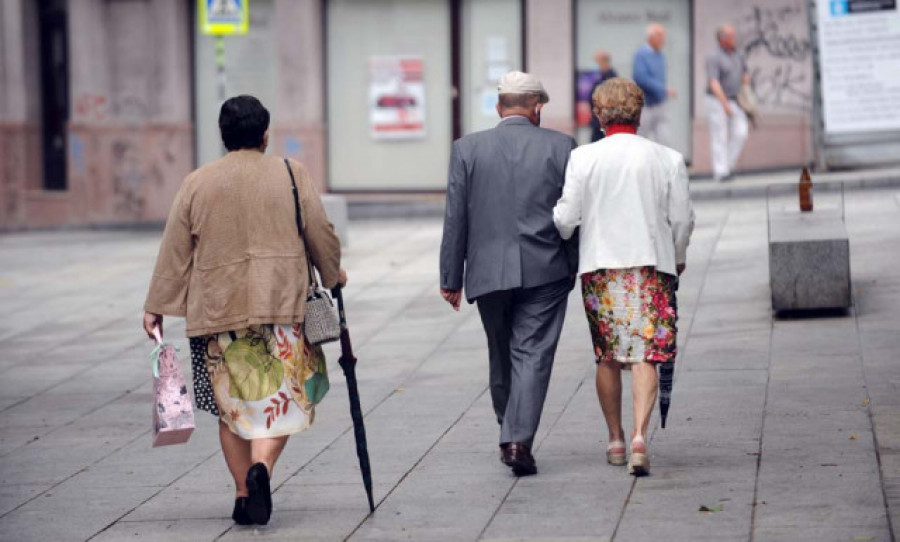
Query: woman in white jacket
[631, 200]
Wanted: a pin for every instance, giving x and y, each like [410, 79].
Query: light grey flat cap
[522, 83]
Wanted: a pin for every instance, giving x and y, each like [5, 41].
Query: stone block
[336, 209]
[809, 262]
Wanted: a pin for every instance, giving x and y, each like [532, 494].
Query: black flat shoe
[259, 503]
[240, 512]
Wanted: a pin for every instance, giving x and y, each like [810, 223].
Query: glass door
[491, 46]
[619, 27]
[390, 94]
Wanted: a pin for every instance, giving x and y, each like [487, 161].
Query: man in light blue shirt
[649, 72]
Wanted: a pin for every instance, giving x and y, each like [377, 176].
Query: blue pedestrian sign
[223, 17]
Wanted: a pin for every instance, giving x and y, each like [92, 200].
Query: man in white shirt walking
[726, 71]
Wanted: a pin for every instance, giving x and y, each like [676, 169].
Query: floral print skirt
[632, 314]
[266, 380]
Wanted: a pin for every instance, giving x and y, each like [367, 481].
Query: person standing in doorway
[726, 72]
[604, 62]
[500, 240]
[649, 72]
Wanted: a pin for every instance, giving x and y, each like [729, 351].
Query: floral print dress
[632, 314]
[266, 380]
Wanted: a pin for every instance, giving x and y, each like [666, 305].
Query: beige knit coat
[230, 255]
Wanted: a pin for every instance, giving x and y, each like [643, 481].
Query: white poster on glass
[396, 98]
[859, 41]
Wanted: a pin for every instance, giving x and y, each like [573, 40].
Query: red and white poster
[396, 97]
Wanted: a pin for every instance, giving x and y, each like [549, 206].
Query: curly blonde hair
[618, 101]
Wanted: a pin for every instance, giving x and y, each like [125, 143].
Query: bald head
[656, 36]
[726, 36]
[602, 59]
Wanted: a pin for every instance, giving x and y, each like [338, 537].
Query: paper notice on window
[396, 98]
[859, 45]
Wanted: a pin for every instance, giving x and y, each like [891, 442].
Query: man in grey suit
[499, 233]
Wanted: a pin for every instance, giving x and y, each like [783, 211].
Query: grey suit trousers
[523, 327]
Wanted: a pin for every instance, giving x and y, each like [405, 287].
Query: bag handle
[154, 354]
[299, 218]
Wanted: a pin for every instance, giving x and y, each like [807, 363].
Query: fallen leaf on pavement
[705, 508]
[865, 400]
[853, 437]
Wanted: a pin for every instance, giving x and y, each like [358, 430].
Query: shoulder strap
[299, 218]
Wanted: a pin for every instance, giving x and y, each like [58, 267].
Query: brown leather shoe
[518, 457]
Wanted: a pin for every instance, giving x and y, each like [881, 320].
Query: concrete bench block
[336, 209]
[809, 262]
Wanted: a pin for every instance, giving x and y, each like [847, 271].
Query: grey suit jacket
[498, 226]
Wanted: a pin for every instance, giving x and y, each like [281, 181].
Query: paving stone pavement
[790, 428]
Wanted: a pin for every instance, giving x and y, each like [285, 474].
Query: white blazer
[630, 197]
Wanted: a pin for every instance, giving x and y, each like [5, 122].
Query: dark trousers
[522, 327]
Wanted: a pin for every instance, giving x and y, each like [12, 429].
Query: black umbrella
[666, 376]
[348, 364]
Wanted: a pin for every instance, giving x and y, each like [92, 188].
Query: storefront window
[390, 94]
[619, 28]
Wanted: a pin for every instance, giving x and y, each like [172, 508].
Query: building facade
[105, 105]
[95, 111]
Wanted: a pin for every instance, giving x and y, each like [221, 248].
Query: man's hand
[671, 92]
[453, 297]
[716, 88]
[152, 321]
[680, 268]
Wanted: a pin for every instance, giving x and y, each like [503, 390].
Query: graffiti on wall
[127, 178]
[91, 107]
[146, 169]
[130, 107]
[164, 165]
[775, 41]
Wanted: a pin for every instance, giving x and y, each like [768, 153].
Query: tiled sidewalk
[790, 428]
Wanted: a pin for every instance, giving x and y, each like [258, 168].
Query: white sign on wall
[858, 45]
[396, 97]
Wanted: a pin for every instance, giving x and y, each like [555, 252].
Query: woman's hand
[680, 268]
[342, 278]
[152, 321]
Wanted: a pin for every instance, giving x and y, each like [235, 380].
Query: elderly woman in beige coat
[630, 198]
[232, 263]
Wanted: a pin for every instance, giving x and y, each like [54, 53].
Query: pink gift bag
[173, 416]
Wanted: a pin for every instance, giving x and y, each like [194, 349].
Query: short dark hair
[243, 122]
